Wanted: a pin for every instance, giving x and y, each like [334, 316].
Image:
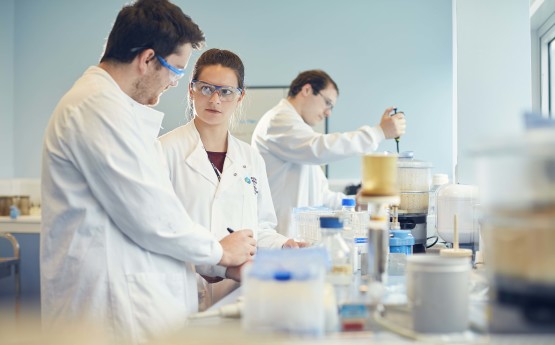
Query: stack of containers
[414, 184]
[517, 184]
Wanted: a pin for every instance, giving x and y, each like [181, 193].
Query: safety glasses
[226, 93]
[176, 73]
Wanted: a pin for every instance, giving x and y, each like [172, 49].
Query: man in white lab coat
[293, 151]
[117, 247]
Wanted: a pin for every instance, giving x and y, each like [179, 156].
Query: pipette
[396, 139]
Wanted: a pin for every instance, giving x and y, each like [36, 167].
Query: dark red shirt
[217, 158]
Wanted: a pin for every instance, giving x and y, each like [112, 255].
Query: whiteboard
[258, 100]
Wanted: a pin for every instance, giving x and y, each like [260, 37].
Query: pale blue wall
[6, 88]
[380, 52]
[493, 75]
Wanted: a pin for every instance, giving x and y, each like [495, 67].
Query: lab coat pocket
[158, 302]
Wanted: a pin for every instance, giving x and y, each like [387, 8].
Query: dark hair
[155, 24]
[318, 79]
[221, 57]
[225, 58]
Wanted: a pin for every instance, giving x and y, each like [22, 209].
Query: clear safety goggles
[226, 93]
[176, 73]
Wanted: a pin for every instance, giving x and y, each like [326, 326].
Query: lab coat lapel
[233, 170]
[198, 161]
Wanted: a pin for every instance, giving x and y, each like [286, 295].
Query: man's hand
[238, 248]
[292, 244]
[393, 126]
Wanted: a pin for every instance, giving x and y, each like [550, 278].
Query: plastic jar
[414, 184]
[401, 244]
[341, 272]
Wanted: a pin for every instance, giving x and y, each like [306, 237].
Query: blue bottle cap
[331, 223]
[348, 202]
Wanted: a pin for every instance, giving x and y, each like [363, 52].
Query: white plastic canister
[460, 200]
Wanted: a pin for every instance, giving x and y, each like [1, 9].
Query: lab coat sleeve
[211, 271]
[268, 237]
[291, 139]
[124, 172]
[330, 198]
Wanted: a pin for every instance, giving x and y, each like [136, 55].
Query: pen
[230, 230]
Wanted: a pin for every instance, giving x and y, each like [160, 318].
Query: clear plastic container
[438, 180]
[414, 184]
[341, 272]
[401, 244]
[306, 223]
[347, 209]
[279, 279]
[461, 200]
[347, 214]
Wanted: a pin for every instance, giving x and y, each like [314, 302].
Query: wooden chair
[10, 265]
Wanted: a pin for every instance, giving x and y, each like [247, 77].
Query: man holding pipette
[293, 151]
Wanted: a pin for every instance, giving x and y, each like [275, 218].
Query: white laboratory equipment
[285, 292]
[516, 176]
[461, 201]
[414, 185]
[438, 180]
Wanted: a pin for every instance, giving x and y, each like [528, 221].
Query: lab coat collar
[152, 118]
[286, 104]
[198, 159]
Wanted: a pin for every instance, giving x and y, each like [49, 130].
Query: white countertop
[20, 219]
[22, 224]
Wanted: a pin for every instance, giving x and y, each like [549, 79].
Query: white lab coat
[293, 153]
[241, 200]
[117, 246]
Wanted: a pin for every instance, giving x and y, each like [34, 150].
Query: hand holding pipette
[393, 125]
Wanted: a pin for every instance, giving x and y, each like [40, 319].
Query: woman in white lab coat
[220, 180]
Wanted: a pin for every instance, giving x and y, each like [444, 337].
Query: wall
[6, 88]
[493, 74]
[55, 41]
[380, 52]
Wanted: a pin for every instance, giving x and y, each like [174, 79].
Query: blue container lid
[348, 202]
[282, 275]
[401, 238]
[331, 223]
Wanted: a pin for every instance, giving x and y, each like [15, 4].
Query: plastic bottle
[347, 213]
[437, 181]
[338, 250]
[348, 205]
[14, 212]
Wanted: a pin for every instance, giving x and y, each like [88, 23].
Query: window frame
[546, 35]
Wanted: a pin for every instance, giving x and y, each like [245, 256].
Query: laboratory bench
[216, 329]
